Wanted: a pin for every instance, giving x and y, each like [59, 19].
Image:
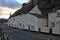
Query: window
[20, 25]
[32, 19]
[22, 21]
[13, 21]
[11, 24]
[13, 18]
[23, 25]
[58, 14]
[58, 24]
[32, 27]
[28, 27]
[52, 24]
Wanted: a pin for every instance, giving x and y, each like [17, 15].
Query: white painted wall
[35, 10]
[56, 31]
[45, 29]
[27, 21]
[32, 23]
[51, 18]
[11, 23]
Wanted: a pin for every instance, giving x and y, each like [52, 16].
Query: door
[20, 25]
[29, 27]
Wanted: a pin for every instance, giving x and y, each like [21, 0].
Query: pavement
[16, 34]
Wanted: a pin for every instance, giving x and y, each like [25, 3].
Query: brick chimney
[35, 2]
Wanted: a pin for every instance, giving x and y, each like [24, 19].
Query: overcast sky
[10, 6]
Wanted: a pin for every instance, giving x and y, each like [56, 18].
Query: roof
[45, 6]
[38, 15]
[25, 9]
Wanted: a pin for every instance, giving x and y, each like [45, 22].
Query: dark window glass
[23, 26]
[32, 27]
[28, 27]
[20, 24]
[58, 14]
[52, 24]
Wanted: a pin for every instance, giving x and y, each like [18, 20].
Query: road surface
[15, 34]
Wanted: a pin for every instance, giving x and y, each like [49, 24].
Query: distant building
[54, 21]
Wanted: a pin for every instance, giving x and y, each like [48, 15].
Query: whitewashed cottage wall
[33, 21]
[26, 19]
[54, 17]
[11, 22]
[51, 18]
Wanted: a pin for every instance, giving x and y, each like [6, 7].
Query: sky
[10, 6]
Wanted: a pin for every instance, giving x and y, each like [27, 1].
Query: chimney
[10, 14]
[35, 2]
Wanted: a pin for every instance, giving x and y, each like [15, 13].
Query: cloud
[22, 1]
[5, 12]
[10, 3]
[4, 16]
[7, 7]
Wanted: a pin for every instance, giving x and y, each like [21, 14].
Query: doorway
[20, 25]
[29, 27]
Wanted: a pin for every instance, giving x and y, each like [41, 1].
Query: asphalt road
[20, 36]
[24, 35]
[14, 35]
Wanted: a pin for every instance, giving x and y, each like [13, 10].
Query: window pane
[58, 14]
[32, 27]
[32, 18]
[23, 26]
[58, 24]
[52, 24]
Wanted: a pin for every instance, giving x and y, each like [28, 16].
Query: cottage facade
[28, 21]
[54, 21]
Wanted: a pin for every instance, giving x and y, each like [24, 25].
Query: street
[15, 34]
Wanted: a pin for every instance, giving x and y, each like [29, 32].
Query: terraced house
[29, 17]
[33, 20]
[54, 21]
